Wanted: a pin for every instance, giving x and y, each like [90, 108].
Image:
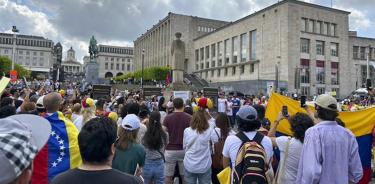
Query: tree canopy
[152, 73]
[6, 66]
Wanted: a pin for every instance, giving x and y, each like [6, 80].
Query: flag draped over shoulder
[360, 123]
[61, 152]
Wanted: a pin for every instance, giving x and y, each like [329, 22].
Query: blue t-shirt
[236, 102]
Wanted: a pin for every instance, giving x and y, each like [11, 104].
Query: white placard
[185, 95]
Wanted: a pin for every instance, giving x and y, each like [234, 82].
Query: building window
[41, 53]
[363, 53]
[318, 27]
[305, 45]
[123, 59]
[118, 59]
[320, 90]
[218, 72]
[252, 68]
[334, 49]
[34, 53]
[123, 67]
[206, 74]
[235, 45]
[207, 52]
[305, 71]
[212, 73]
[253, 42]
[112, 59]
[225, 71]
[325, 28]
[27, 53]
[227, 50]
[128, 67]
[202, 65]
[41, 63]
[196, 67]
[333, 30]
[196, 55]
[234, 70]
[6, 51]
[320, 72]
[355, 52]
[106, 66]
[213, 50]
[303, 24]
[207, 65]
[334, 73]
[242, 69]
[220, 62]
[244, 47]
[213, 63]
[111, 66]
[311, 26]
[20, 52]
[117, 66]
[128, 60]
[202, 53]
[319, 47]
[305, 90]
[220, 49]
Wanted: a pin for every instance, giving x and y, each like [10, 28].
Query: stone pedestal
[178, 76]
[92, 72]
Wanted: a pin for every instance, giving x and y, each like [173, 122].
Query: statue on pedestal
[178, 59]
[92, 71]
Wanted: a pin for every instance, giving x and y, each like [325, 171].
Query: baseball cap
[39, 102]
[21, 137]
[130, 122]
[247, 113]
[325, 101]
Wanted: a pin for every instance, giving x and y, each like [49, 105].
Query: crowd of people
[124, 138]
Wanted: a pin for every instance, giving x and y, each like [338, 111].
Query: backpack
[251, 164]
[217, 157]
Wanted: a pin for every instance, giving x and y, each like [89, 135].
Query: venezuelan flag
[360, 123]
[61, 152]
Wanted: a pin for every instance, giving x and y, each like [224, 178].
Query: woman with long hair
[154, 141]
[129, 156]
[196, 142]
[222, 121]
[290, 147]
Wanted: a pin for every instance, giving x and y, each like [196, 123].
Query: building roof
[364, 38]
[275, 5]
[71, 49]
[171, 14]
[24, 36]
[71, 62]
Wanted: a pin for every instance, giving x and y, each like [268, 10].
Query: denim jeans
[153, 171]
[201, 178]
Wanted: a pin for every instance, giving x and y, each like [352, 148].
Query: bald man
[52, 102]
[62, 147]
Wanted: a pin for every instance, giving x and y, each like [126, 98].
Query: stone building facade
[156, 42]
[114, 60]
[306, 43]
[32, 52]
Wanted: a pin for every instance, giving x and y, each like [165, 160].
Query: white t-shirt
[221, 105]
[292, 160]
[232, 145]
[230, 111]
[77, 121]
[198, 157]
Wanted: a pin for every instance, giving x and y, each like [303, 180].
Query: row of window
[318, 27]
[71, 68]
[205, 29]
[117, 59]
[361, 53]
[28, 58]
[33, 43]
[117, 67]
[320, 47]
[239, 47]
[305, 90]
[320, 72]
[232, 69]
[115, 50]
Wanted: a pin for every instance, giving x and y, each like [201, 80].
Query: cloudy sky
[119, 22]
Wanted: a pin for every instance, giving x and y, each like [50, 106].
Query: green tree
[6, 66]
[153, 73]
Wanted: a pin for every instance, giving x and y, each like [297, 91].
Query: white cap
[130, 122]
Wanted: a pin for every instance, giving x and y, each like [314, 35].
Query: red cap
[202, 102]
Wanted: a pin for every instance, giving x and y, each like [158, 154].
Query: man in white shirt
[222, 103]
[248, 123]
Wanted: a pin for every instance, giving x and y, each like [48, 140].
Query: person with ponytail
[154, 142]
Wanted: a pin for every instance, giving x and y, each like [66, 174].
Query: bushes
[6, 66]
[154, 73]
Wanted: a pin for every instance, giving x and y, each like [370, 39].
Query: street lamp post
[14, 30]
[143, 62]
